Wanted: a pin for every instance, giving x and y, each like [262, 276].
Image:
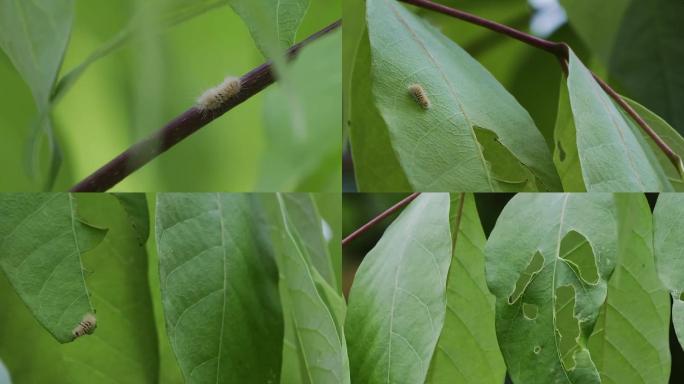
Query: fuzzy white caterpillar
[419, 94]
[214, 97]
[86, 326]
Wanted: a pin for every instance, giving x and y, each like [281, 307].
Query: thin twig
[560, 50]
[184, 125]
[379, 218]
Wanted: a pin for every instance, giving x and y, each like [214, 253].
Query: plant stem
[560, 50]
[379, 218]
[184, 125]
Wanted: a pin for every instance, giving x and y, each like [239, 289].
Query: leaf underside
[218, 276]
[43, 240]
[545, 311]
[397, 303]
[599, 147]
[438, 146]
[668, 221]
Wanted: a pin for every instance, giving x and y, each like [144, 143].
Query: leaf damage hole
[681, 296]
[501, 162]
[566, 325]
[537, 349]
[530, 311]
[561, 151]
[576, 251]
[526, 277]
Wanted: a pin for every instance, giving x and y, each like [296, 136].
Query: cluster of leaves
[476, 136]
[568, 288]
[246, 288]
[35, 35]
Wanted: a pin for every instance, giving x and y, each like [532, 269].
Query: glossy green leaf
[668, 224]
[630, 341]
[303, 146]
[124, 346]
[596, 135]
[640, 44]
[218, 283]
[271, 21]
[558, 251]
[314, 310]
[397, 303]
[467, 349]
[43, 240]
[438, 147]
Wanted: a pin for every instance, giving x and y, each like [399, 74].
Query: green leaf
[438, 147]
[668, 242]
[467, 349]
[630, 341]
[313, 309]
[305, 216]
[272, 23]
[639, 43]
[34, 34]
[4, 375]
[313, 130]
[397, 302]
[673, 139]
[611, 152]
[135, 206]
[548, 260]
[218, 283]
[330, 207]
[376, 167]
[124, 346]
[43, 241]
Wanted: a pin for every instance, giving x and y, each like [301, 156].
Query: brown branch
[560, 50]
[184, 125]
[379, 218]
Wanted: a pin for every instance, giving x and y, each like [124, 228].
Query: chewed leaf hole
[566, 325]
[526, 277]
[530, 311]
[537, 349]
[681, 296]
[503, 165]
[561, 152]
[576, 250]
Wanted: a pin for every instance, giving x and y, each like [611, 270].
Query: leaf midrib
[553, 286]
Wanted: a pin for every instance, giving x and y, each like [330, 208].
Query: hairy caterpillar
[86, 326]
[214, 97]
[418, 93]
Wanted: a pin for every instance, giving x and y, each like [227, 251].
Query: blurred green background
[155, 77]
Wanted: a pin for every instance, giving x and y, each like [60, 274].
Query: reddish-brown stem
[549, 46]
[184, 125]
[560, 50]
[379, 218]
